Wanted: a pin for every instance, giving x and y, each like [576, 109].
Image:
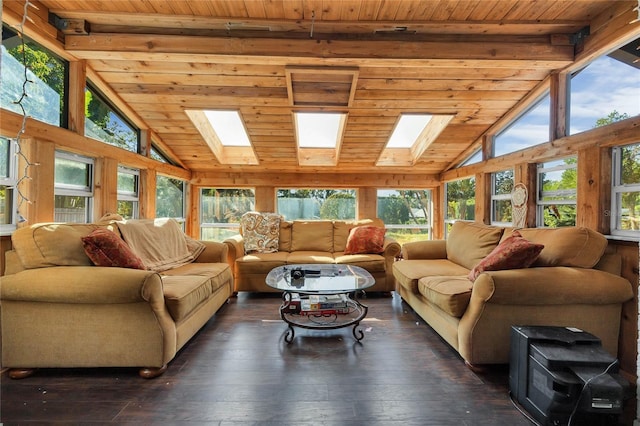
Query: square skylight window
[318, 130]
[228, 127]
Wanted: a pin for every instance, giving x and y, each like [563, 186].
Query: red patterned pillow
[365, 239]
[106, 248]
[514, 252]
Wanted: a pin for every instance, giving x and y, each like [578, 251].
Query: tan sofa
[58, 310]
[301, 242]
[572, 283]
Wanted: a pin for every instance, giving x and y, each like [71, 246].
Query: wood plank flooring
[239, 371]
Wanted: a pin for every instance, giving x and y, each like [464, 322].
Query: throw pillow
[106, 248]
[513, 253]
[260, 232]
[365, 239]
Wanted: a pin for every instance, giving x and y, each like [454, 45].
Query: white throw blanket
[160, 243]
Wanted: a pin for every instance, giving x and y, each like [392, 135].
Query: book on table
[318, 304]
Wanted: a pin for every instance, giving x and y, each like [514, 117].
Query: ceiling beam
[130, 46]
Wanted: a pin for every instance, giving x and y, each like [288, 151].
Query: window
[170, 198]
[221, 210]
[607, 87]
[8, 181]
[625, 195]
[476, 157]
[317, 204]
[557, 193]
[531, 128]
[73, 188]
[460, 201]
[501, 187]
[105, 124]
[406, 213]
[128, 192]
[47, 73]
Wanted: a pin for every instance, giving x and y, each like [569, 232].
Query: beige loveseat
[572, 283]
[303, 242]
[58, 310]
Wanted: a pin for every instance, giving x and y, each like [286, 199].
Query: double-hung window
[406, 213]
[8, 181]
[557, 193]
[73, 189]
[221, 210]
[170, 198]
[128, 192]
[501, 207]
[460, 201]
[625, 193]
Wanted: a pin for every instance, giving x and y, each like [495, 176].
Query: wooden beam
[95, 46]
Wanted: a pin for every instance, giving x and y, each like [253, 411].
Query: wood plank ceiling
[473, 60]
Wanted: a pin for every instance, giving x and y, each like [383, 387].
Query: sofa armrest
[551, 286]
[12, 264]
[214, 252]
[427, 249]
[84, 284]
[391, 248]
[235, 245]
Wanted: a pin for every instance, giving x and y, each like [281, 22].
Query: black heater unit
[562, 374]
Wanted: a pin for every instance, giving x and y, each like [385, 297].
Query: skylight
[319, 137]
[408, 129]
[318, 130]
[228, 127]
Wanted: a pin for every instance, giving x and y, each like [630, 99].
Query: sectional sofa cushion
[469, 242]
[312, 236]
[451, 294]
[571, 246]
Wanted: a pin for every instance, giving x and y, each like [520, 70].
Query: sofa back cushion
[52, 244]
[284, 243]
[469, 242]
[571, 246]
[312, 236]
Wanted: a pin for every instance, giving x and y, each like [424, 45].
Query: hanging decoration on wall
[19, 141]
[519, 197]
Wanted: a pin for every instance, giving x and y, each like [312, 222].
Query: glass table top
[320, 278]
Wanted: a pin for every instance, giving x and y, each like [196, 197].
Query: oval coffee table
[317, 296]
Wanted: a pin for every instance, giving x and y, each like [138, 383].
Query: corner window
[73, 190]
[8, 181]
[316, 204]
[170, 198]
[406, 213]
[128, 192]
[221, 210]
[531, 128]
[47, 74]
[625, 194]
[557, 193]
[460, 201]
[501, 208]
[105, 124]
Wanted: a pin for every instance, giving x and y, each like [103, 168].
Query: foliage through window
[8, 181]
[501, 208]
[531, 128]
[73, 191]
[47, 79]
[406, 213]
[221, 210]
[170, 201]
[460, 201]
[315, 204]
[557, 193]
[625, 196]
[105, 124]
[128, 192]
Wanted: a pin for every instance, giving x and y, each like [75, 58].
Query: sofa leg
[152, 372]
[475, 368]
[21, 373]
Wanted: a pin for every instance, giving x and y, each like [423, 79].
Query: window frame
[10, 182]
[428, 226]
[67, 190]
[181, 219]
[319, 217]
[618, 188]
[540, 204]
[450, 221]
[500, 197]
[220, 225]
[131, 196]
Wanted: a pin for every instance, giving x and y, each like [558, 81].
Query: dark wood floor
[238, 370]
